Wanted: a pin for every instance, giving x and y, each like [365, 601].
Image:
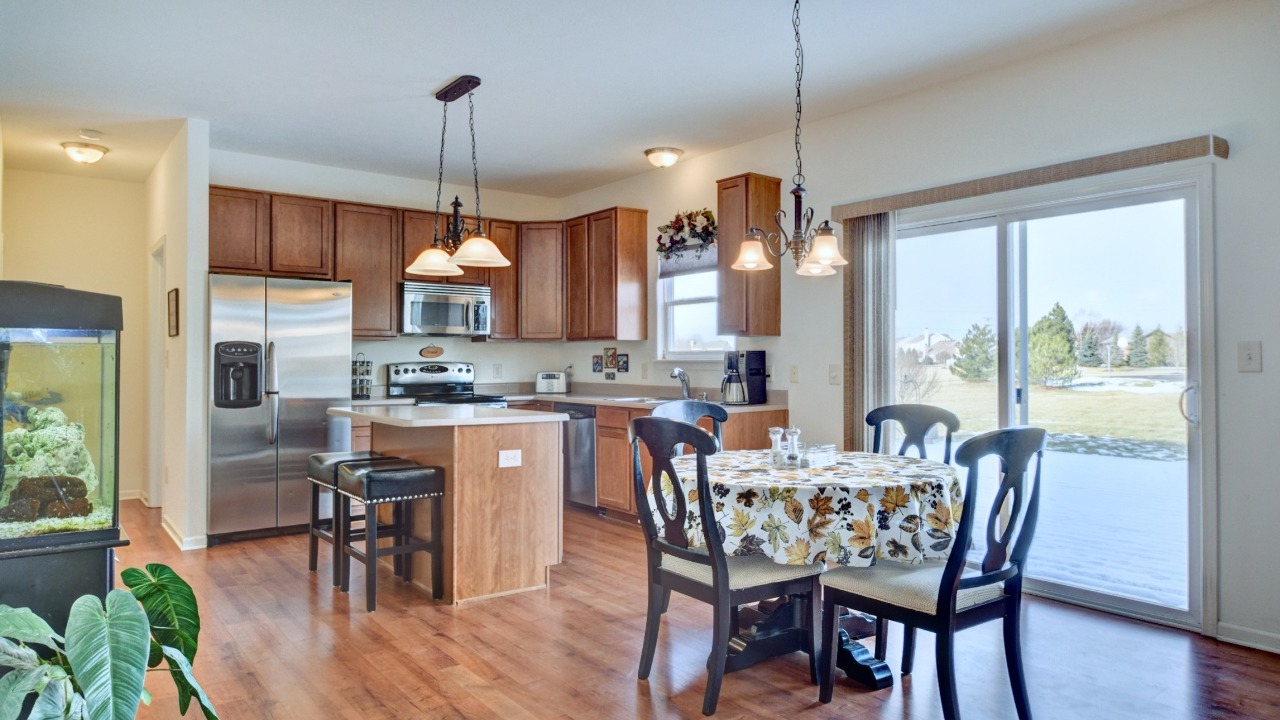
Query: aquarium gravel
[99, 518]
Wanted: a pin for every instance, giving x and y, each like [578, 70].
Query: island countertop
[414, 416]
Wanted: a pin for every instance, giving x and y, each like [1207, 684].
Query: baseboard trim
[184, 544]
[1249, 637]
[132, 495]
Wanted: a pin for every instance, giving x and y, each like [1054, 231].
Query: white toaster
[551, 381]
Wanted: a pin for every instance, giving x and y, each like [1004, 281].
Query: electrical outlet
[497, 370]
[795, 373]
[835, 374]
[609, 375]
[508, 458]
[1249, 355]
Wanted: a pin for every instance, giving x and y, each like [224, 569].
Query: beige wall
[1, 199]
[90, 234]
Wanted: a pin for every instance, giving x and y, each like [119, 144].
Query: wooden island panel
[502, 525]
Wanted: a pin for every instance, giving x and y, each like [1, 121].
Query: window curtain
[688, 262]
[866, 323]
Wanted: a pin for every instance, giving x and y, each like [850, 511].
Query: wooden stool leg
[313, 542]
[406, 537]
[371, 556]
[437, 548]
[344, 532]
[336, 527]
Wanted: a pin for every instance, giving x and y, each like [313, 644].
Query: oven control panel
[431, 373]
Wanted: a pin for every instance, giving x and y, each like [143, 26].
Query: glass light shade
[84, 153]
[479, 251]
[433, 261]
[752, 257]
[826, 248]
[663, 157]
[813, 268]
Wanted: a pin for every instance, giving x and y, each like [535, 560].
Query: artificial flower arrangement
[694, 230]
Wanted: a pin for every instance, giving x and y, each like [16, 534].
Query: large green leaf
[171, 609]
[108, 654]
[178, 663]
[26, 627]
[14, 688]
[18, 657]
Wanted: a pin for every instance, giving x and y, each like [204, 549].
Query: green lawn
[1115, 414]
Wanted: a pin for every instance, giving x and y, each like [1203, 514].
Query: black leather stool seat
[399, 483]
[375, 482]
[323, 467]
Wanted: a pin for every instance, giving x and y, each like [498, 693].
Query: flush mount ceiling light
[663, 157]
[84, 153]
[468, 246]
[816, 252]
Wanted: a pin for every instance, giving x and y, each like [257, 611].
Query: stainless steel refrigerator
[281, 357]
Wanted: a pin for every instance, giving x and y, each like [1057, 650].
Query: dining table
[858, 510]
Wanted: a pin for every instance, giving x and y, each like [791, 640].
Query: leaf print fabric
[863, 508]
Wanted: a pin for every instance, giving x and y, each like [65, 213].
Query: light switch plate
[795, 373]
[508, 458]
[1249, 355]
[497, 370]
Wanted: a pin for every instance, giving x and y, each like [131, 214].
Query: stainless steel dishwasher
[579, 454]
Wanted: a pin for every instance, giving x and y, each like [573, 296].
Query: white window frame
[666, 306]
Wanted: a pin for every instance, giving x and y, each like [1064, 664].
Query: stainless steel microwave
[434, 309]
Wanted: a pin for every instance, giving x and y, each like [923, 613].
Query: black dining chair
[704, 572]
[946, 597]
[691, 411]
[916, 422]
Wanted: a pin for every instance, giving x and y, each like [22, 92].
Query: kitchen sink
[653, 400]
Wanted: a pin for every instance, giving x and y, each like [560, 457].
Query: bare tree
[916, 381]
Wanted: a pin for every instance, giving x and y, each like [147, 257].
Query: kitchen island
[503, 490]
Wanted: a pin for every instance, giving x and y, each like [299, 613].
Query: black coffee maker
[744, 378]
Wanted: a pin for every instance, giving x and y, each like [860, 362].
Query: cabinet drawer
[613, 417]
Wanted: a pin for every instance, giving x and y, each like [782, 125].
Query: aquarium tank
[59, 373]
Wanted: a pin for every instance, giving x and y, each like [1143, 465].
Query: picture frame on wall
[597, 363]
[610, 357]
[624, 362]
[173, 312]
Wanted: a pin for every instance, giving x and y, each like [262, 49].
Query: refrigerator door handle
[273, 396]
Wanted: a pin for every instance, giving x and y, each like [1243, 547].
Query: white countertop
[614, 401]
[444, 415]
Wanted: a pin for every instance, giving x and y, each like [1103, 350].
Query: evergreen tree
[1158, 349]
[1090, 355]
[1139, 356]
[1052, 349]
[976, 357]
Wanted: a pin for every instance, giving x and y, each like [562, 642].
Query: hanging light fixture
[816, 252]
[458, 244]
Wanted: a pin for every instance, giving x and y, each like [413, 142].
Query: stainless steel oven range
[438, 383]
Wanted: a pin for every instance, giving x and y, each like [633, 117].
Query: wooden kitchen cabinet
[614, 480]
[536, 405]
[239, 230]
[607, 296]
[504, 282]
[750, 301]
[301, 237]
[367, 253]
[419, 230]
[542, 288]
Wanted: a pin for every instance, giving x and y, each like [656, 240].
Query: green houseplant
[96, 671]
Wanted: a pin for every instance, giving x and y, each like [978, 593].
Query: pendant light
[816, 252]
[469, 246]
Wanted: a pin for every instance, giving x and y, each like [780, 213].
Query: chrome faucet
[680, 375]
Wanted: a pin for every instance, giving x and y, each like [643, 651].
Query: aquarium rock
[52, 446]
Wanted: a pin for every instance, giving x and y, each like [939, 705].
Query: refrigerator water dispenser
[238, 366]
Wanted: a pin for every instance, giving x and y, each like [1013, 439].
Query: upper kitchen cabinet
[504, 282]
[239, 230]
[750, 301]
[367, 254]
[607, 296]
[419, 230]
[301, 237]
[542, 269]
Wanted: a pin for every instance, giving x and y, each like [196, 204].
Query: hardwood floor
[278, 642]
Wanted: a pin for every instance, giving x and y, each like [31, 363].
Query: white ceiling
[573, 90]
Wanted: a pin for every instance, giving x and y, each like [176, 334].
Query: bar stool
[322, 471]
[401, 482]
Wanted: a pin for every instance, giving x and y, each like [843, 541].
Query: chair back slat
[662, 439]
[1009, 537]
[691, 411]
[916, 421]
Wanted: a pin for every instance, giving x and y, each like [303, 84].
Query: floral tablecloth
[866, 506]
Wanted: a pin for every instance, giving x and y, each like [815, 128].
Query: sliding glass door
[1076, 316]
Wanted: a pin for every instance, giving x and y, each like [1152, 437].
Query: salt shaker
[777, 458]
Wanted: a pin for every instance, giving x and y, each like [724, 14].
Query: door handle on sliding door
[1193, 420]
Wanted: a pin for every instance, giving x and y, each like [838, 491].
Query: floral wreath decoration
[693, 230]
